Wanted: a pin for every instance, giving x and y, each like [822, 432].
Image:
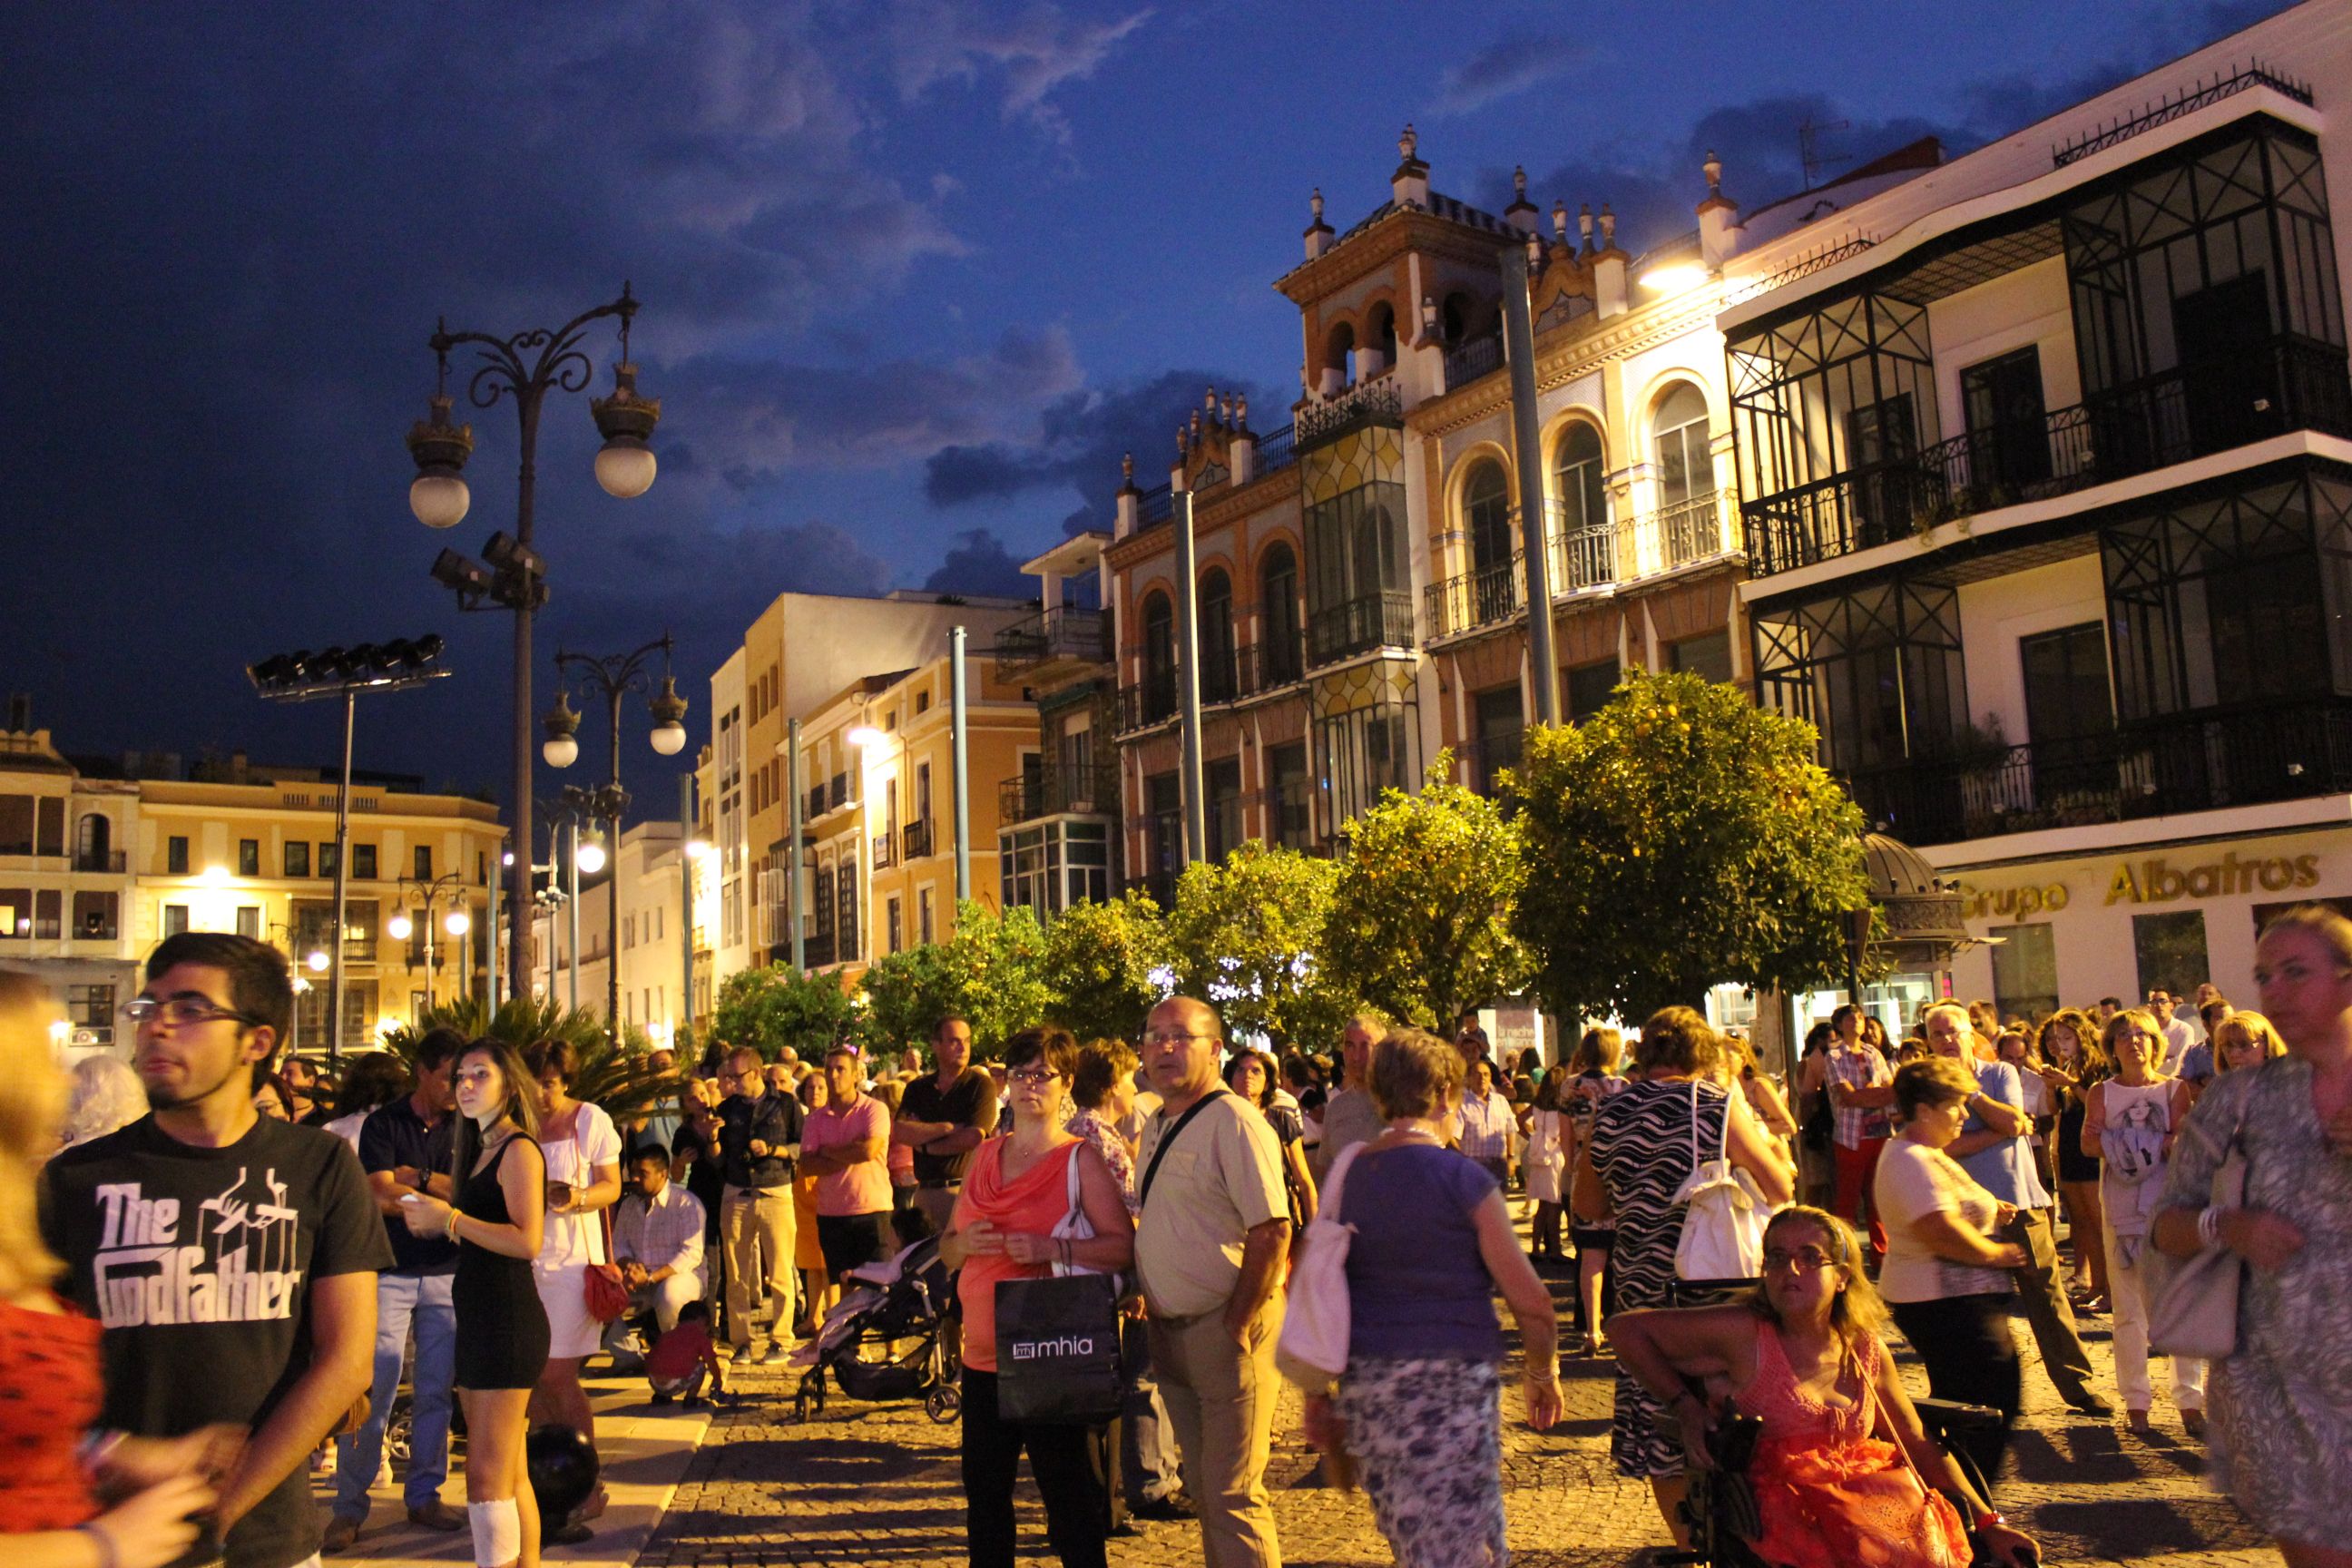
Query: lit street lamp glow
[399, 926]
[590, 856]
[864, 735]
[458, 923]
[318, 961]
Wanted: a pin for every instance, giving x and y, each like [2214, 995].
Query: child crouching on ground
[681, 1358]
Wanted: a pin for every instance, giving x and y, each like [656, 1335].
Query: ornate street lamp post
[525, 367]
[613, 677]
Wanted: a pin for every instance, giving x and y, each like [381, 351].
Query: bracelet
[1990, 1519]
[450, 1228]
[99, 1539]
[2209, 1224]
[98, 1448]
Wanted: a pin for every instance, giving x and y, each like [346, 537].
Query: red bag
[606, 1296]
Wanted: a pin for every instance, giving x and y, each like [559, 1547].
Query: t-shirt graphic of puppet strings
[234, 1259]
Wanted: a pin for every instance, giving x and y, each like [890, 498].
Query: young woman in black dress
[499, 1213]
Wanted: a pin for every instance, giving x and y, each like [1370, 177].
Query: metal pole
[432, 978]
[527, 398]
[613, 892]
[961, 724]
[682, 1036]
[342, 884]
[490, 970]
[1519, 341]
[571, 904]
[1188, 675]
[792, 857]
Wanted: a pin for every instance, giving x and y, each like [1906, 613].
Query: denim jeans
[401, 1301]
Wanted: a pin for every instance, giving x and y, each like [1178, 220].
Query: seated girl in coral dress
[1839, 1467]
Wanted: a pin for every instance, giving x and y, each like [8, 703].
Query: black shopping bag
[1057, 1350]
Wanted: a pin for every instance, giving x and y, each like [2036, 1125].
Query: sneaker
[775, 1353]
[341, 1531]
[1174, 1506]
[743, 1355]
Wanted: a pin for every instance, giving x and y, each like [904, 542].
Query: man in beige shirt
[1209, 1250]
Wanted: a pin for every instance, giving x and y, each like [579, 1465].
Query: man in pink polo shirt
[846, 1145]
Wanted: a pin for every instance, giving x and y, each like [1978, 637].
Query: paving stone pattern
[878, 1484]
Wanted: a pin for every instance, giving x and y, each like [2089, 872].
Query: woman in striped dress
[1641, 1150]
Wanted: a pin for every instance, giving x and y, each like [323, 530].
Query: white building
[652, 935]
[2047, 469]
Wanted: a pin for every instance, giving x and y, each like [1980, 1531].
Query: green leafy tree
[772, 1007]
[1681, 839]
[623, 1080]
[1421, 917]
[992, 971]
[1101, 965]
[1247, 934]
[905, 995]
[998, 965]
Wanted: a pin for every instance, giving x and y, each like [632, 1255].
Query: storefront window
[2025, 970]
[2170, 949]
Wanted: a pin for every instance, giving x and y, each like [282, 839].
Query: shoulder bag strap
[1335, 1182]
[1143, 1194]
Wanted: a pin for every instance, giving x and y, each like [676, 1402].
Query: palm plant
[624, 1081]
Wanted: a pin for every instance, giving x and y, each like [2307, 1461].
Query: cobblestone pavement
[878, 1484]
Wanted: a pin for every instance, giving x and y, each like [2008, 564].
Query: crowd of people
[220, 1270]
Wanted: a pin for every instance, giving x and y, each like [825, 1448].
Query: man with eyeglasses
[231, 1259]
[759, 1139]
[1209, 1250]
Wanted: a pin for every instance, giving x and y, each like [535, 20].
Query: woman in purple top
[1419, 1408]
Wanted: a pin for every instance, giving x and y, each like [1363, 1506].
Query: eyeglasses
[181, 1011]
[1805, 1258]
[1175, 1037]
[1034, 1078]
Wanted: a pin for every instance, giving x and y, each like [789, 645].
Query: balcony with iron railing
[1468, 360]
[1052, 790]
[1065, 631]
[2248, 756]
[1487, 596]
[918, 838]
[885, 850]
[1379, 619]
[112, 862]
[2277, 385]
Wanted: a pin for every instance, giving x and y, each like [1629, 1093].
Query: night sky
[913, 275]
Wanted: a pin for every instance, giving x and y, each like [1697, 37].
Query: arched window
[1158, 656]
[1277, 598]
[1380, 336]
[1454, 317]
[1587, 541]
[1339, 352]
[93, 839]
[1215, 609]
[1487, 517]
[1686, 470]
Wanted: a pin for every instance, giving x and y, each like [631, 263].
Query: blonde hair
[32, 1110]
[1858, 1308]
[2140, 1017]
[2256, 1028]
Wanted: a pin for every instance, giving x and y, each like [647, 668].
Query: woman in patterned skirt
[1646, 1140]
[1419, 1408]
[2282, 1425]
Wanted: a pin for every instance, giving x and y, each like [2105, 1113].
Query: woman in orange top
[1017, 1192]
[1843, 1468]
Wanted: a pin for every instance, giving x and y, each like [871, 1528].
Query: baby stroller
[886, 1339]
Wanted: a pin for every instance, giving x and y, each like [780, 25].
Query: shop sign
[2154, 881]
[2010, 903]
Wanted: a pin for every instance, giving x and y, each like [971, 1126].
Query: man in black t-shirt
[230, 1258]
[944, 1117]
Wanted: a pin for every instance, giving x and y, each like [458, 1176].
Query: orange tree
[1681, 839]
[1421, 919]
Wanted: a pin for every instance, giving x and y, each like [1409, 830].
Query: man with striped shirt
[1490, 1126]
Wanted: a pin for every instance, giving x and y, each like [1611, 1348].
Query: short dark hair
[2111, 1001]
[1057, 1048]
[372, 1078]
[696, 1311]
[645, 1151]
[261, 983]
[944, 1020]
[435, 1046]
[558, 1058]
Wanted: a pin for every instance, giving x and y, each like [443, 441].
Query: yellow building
[251, 849]
[65, 880]
[878, 774]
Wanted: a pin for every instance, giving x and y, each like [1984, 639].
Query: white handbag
[2192, 1302]
[1075, 1226]
[1313, 1349]
[1722, 1225]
